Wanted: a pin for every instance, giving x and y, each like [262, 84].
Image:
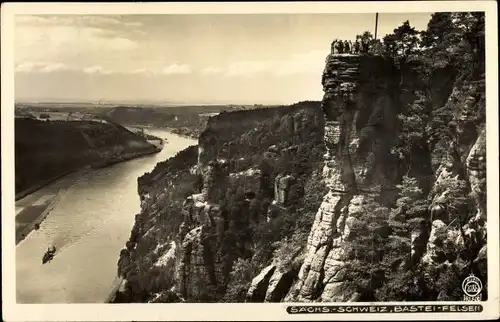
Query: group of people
[349, 47]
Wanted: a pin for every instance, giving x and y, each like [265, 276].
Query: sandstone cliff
[240, 229]
[404, 217]
[246, 189]
[363, 98]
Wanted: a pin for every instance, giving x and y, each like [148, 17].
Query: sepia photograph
[324, 161]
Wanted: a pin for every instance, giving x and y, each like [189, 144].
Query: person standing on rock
[334, 42]
[356, 47]
[347, 49]
[365, 46]
[340, 47]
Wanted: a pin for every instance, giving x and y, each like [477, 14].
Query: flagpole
[376, 25]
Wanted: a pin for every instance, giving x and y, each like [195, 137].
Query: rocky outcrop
[258, 289]
[224, 166]
[279, 285]
[458, 206]
[358, 132]
[195, 269]
[476, 173]
[282, 186]
[363, 97]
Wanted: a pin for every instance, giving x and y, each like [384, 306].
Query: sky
[202, 59]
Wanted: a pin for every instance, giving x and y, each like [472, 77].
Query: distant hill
[185, 120]
[47, 149]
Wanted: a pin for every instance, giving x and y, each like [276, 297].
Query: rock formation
[357, 99]
[247, 167]
[361, 103]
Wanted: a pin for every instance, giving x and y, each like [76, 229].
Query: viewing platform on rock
[352, 57]
[348, 71]
[346, 55]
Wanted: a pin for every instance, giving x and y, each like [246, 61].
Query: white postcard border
[241, 311]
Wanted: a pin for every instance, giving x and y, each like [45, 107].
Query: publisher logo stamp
[472, 288]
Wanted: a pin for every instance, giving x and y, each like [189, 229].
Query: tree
[457, 39]
[470, 40]
[438, 30]
[365, 247]
[240, 279]
[390, 45]
[405, 40]
[453, 194]
[409, 192]
[365, 37]
[413, 128]
[408, 216]
[382, 266]
[366, 41]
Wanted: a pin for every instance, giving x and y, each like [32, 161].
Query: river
[89, 225]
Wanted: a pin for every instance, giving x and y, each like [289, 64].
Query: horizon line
[154, 102]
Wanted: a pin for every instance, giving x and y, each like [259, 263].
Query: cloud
[142, 71]
[41, 67]
[74, 20]
[63, 40]
[96, 70]
[176, 69]
[312, 62]
[120, 43]
[54, 67]
[247, 68]
[50, 68]
[26, 67]
[133, 24]
[67, 38]
[211, 70]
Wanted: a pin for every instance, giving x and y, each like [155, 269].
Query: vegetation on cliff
[441, 123]
[163, 192]
[268, 144]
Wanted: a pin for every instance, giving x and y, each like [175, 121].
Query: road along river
[89, 225]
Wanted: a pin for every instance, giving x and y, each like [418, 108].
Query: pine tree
[365, 247]
[398, 265]
[438, 30]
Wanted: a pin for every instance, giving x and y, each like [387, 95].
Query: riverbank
[124, 158]
[34, 213]
[186, 134]
[89, 224]
[33, 209]
[95, 165]
[39, 186]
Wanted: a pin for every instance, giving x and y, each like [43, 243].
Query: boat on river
[49, 254]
